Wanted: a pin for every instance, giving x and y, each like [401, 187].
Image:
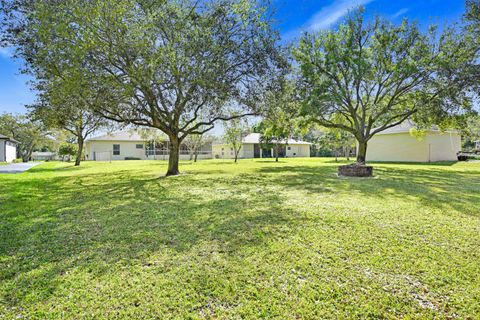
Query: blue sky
[293, 16]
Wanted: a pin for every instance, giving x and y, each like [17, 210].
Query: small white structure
[399, 144]
[8, 149]
[251, 148]
[130, 144]
[43, 156]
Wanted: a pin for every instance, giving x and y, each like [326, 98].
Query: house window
[289, 148]
[116, 149]
[139, 146]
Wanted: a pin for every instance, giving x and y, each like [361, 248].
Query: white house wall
[8, 151]
[223, 151]
[11, 151]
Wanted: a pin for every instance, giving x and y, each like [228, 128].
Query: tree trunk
[196, 155]
[362, 152]
[26, 157]
[276, 152]
[79, 151]
[174, 156]
[236, 156]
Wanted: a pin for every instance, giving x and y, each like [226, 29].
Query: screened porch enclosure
[161, 149]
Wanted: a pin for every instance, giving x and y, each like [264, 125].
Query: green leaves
[365, 77]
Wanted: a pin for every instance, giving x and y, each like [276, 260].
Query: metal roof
[2, 137]
[129, 135]
[255, 138]
[407, 125]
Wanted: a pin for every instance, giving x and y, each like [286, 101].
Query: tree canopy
[162, 62]
[279, 111]
[31, 135]
[69, 111]
[235, 131]
[367, 77]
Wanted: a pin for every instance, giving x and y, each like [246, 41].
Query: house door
[256, 150]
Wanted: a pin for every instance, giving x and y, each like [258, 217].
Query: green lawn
[257, 239]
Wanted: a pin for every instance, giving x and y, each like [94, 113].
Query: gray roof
[128, 135]
[255, 138]
[2, 137]
[407, 125]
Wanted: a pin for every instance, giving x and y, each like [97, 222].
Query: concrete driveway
[17, 167]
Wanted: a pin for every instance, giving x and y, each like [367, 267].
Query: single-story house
[399, 144]
[130, 144]
[43, 156]
[252, 148]
[8, 149]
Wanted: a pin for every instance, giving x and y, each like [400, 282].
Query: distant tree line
[180, 67]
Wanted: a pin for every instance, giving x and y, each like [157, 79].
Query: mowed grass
[257, 239]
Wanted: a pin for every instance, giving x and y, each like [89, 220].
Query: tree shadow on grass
[95, 221]
[457, 190]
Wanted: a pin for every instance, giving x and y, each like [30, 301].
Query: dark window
[139, 146]
[116, 149]
[289, 148]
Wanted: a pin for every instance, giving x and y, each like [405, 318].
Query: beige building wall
[298, 150]
[224, 151]
[247, 150]
[103, 148]
[443, 146]
[403, 147]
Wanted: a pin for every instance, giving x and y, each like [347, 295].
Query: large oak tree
[164, 62]
[365, 77]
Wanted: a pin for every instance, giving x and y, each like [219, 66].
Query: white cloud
[329, 15]
[6, 52]
[399, 13]
[326, 17]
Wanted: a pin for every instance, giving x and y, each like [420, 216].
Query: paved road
[17, 167]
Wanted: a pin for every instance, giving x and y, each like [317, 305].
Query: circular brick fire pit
[354, 170]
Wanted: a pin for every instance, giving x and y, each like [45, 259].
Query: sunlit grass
[256, 239]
